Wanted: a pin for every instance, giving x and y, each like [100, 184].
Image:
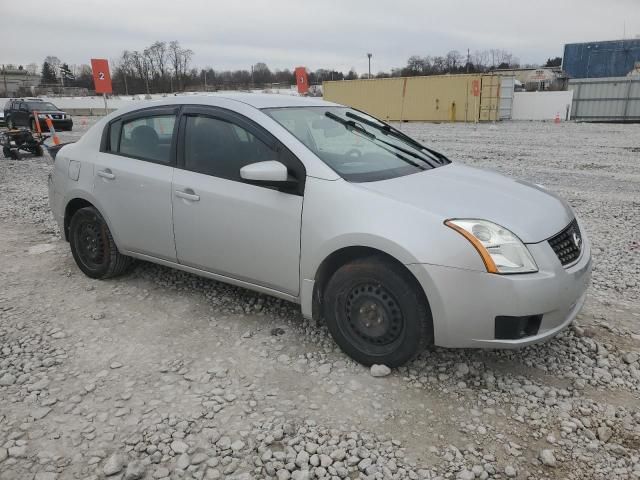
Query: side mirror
[272, 174]
[270, 171]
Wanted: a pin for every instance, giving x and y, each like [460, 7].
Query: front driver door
[22, 117]
[223, 224]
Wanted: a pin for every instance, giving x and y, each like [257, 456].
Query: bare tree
[179, 58]
[158, 56]
[140, 64]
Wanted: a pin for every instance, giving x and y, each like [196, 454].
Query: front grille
[567, 244]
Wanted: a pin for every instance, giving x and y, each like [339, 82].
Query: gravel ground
[161, 374]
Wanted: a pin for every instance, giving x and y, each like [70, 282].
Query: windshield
[357, 146]
[42, 106]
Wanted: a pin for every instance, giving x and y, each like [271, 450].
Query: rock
[338, 454]
[462, 369]
[19, 451]
[178, 446]
[46, 476]
[380, 370]
[224, 443]
[113, 465]
[300, 475]
[3, 454]
[283, 474]
[510, 472]
[325, 460]
[213, 474]
[237, 445]
[302, 459]
[630, 357]
[7, 379]
[604, 434]
[547, 457]
[198, 458]
[135, 470]
[183, 461]
[161, 472]
[39, 413]
[465, 475]
[115, 365]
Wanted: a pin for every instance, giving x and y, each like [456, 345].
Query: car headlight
[41, 115]
[500, 250]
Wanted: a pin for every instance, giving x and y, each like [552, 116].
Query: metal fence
[613, 99]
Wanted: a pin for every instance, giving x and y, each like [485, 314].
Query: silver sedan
[387, 241]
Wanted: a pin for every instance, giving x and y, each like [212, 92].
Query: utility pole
[369, 55]
[4, 74]
[468, 60]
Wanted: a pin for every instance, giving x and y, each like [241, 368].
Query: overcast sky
[318, 33]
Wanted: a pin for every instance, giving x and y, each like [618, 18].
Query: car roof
[271, 100]
[255, 100]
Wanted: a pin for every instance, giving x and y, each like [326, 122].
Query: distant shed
[612, 58]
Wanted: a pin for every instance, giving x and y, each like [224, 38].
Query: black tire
[6, 151]
[39, 151]
[93, 247]
[377, 312]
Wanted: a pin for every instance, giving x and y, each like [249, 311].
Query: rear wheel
[6, 151]
[377, 313]
[93, 247]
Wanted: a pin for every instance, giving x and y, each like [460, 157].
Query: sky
[317, 34]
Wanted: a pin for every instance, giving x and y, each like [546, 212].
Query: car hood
[457, 191]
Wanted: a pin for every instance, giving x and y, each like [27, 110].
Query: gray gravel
[161, 374]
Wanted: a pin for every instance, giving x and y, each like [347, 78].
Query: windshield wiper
[408, 152]
[351, 125]
[388, 129]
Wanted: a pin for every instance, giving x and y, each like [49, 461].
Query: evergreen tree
[48, 75]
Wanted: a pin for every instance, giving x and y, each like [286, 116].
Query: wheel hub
[373, 315]
[91, 243]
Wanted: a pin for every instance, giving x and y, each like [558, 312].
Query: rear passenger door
[132, 181]
[226, 225]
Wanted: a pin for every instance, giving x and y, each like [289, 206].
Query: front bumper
[58, 124]
[465, 303]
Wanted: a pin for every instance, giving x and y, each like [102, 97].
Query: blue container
[614, 58]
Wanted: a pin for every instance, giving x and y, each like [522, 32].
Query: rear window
[147, 138]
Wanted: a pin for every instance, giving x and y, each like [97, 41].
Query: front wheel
[93, 247]
[377, 312]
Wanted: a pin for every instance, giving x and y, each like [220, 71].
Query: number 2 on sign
[100, 75]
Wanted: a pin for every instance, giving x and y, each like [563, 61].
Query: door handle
[188, 195]
[106, 174]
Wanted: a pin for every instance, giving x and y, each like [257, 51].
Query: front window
[357, 146]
